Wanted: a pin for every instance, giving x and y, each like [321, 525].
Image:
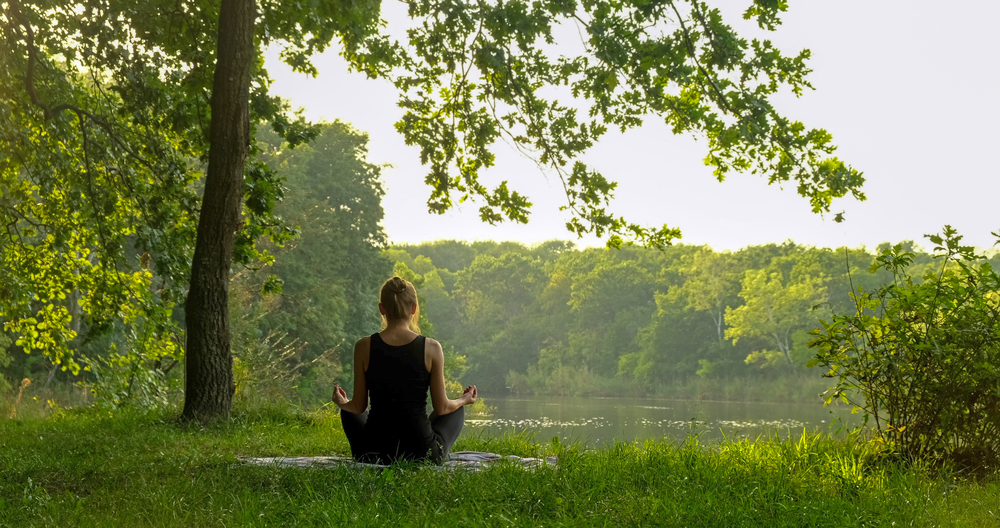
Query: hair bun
[398, 300]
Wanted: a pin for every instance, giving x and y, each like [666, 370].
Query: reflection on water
[602, 420]
[531, 423]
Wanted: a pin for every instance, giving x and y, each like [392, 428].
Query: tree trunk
[208, 372]
[785, 347]
[52, 375]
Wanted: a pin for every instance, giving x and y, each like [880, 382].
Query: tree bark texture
[208, 370]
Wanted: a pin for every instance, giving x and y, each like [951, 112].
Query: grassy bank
[89, 469]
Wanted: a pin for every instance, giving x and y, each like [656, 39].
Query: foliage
[773, 310]
[86, 469]
[708, 284]
[268, 365]
[321, 307]
[561, 380]
[475, 72]
[560, 320]
[105, 113]
[923, 355]
[104, 124]
[136, 368]
[5, 360]
[105, 128]
[496, 290]
[108, 125]
[331, 273]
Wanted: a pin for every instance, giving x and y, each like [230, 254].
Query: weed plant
[88, 467]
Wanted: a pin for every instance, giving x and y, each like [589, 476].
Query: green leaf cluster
[104, 122]
[473, 73]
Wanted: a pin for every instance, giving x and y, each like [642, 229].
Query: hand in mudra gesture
[339, 396]
[470, 394]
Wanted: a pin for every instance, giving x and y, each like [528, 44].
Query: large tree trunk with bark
[209, 364]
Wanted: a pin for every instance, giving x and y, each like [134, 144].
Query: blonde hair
[398, 297]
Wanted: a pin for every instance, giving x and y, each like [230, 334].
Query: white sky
[909, 90]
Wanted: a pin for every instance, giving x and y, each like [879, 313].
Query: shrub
[137, 367]
[923, 355]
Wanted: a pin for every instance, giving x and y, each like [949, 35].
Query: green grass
[83, 468]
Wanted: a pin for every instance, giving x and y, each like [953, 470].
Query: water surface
[597, 421]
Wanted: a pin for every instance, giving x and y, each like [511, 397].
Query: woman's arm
[439, 397]
[359, 403]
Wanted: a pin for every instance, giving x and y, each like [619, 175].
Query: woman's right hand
[469, 395]
[339, 396]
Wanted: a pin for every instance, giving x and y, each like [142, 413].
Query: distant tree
[495, 290]
[773, 311]
[594, 314]
[670, 345]
[440, 306]
[451, 255]
[609, 306]
[330, 273]
[711, 283]
[496, 295]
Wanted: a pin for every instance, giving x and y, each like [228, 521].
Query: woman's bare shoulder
[362, 349]
[432, 344]
[363, 345]
[432, 353]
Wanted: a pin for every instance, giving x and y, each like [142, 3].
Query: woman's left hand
[339, 396]
[469, 395]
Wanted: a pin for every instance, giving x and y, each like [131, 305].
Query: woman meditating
[395, 367]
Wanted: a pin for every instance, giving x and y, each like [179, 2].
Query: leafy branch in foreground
[477, 72]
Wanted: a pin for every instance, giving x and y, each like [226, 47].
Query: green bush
[924, 355]
[269, 365]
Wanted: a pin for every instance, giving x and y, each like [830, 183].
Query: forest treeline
[552, 318]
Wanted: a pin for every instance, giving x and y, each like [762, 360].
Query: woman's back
[398, 380]
[393, 370]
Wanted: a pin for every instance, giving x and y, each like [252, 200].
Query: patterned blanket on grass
[470, 460]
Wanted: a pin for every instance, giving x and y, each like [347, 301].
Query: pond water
[597, 421]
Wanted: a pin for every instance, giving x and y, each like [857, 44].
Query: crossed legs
[447, 427]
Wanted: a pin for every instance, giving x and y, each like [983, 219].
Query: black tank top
[398, 381]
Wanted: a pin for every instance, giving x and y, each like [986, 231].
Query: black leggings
[447, 427]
